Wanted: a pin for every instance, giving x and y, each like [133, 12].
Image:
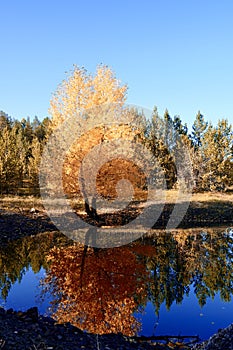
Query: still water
[178, 283]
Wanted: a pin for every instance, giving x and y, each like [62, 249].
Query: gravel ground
[28, 330]
[222, 340]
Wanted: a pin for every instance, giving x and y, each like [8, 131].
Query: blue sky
[175, 54]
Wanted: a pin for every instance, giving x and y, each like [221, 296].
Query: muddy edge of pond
[16, 222]
[28, 330]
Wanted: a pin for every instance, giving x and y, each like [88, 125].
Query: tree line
[21, 144]
[210, 148]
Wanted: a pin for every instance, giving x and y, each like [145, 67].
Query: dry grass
[171, 196]
[212, 196]
[20, 202]
[27, 202]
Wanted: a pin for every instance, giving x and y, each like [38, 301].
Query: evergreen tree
[5, 120]
[160, 135]
[217, 156]
[199, 127]
[33, 165]
[41, 129]
[12, 159]
[27, 129]
[180, 128]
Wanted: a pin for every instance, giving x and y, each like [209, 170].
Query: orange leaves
[97, 290]
[145, 250]
[111, 172]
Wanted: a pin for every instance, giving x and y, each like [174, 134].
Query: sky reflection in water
[184, 318]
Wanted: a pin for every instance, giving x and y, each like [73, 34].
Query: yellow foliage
[83, 91]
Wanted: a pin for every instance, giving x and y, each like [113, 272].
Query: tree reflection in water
[17, 256]
[99, 290]
[191, 258]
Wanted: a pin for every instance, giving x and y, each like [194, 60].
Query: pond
[177, 283]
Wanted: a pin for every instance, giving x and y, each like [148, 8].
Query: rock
[19, 314]
[2, 311]
[25, 330]
[10, 311]
[32, 313]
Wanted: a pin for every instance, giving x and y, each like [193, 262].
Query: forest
[210, 147]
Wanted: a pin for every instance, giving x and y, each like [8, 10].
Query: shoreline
[25, 216]
[29, 330]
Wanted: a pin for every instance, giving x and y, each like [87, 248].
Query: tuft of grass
[20, 202]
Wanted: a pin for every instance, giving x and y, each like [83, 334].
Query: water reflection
[17, 256]
[201, 259]
[98, 290]
[101, 290]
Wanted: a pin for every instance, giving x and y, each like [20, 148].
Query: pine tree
[27, 129]
[180, 128]
[33, 165]
[5, 120]
[199, 128]
[12, 156]
[160, 138]
[217, 156]
[41, 129]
